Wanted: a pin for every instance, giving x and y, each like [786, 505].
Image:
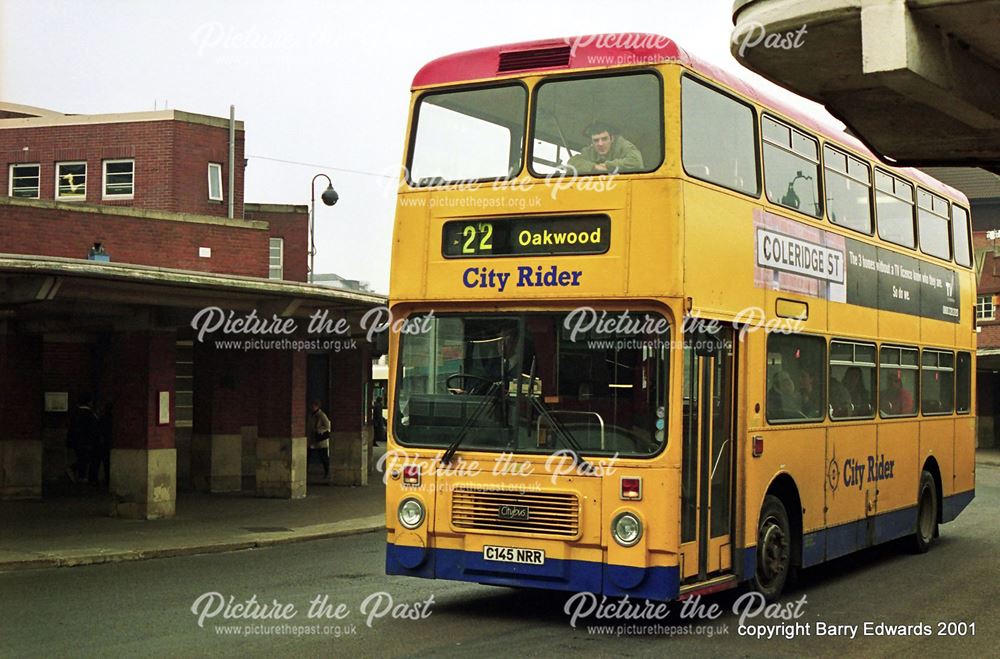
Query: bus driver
[607, 152]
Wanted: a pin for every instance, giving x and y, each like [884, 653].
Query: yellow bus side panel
[898, 445]
[936, 441]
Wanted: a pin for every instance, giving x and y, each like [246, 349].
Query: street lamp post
[329, 198]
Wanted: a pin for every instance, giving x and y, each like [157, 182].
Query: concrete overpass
[917, 80]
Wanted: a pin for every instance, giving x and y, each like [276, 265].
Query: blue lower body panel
[837, 541]
[655, 583]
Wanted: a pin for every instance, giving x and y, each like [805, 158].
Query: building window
[119, 179]
[24, 181]
[276, 259]
[71, 180]
[214, 181]
[984, 307]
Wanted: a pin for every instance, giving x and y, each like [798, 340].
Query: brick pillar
[143, 457]
[281, 440]
[351, 438]
[217, 442]
[249, 377]
[21, 407]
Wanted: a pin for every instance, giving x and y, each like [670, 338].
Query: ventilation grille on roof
[542, 58]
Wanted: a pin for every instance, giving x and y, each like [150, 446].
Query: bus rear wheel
[774, 549]
[927, 514]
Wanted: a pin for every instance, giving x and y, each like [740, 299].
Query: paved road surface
[144, 608]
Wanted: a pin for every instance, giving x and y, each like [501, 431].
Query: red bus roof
[636, 49]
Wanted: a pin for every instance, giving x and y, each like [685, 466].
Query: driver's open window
[796, 368]
[598, 125]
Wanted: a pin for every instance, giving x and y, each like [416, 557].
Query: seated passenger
[608, 152]
[782, 400]
[896, 399]
[855, 385]
[840, 400]
[810, 396]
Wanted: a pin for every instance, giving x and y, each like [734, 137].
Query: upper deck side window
[960, 233]
[848, 190]
[894, 209]
[933, 223]
[598, 125]
[468, 135]
[718, 138]
[791, 167]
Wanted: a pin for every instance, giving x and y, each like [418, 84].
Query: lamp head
[330, 196]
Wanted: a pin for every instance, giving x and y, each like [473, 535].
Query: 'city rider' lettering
[527, 276]
[878, 469]
[881, 470]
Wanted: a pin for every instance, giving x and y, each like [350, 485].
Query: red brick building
[117, 230]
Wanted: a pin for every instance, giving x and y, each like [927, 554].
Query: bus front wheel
[927, 514]
[774, 549]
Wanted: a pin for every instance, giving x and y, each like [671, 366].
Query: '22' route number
[484, 231]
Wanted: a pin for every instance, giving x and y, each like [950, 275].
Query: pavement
[74, 528]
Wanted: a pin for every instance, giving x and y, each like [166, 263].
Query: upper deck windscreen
[468, 135]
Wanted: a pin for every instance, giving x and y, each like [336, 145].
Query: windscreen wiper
[490, 399]
[574, 447]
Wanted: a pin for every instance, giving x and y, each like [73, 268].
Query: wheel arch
[931, 466]
[783, 487]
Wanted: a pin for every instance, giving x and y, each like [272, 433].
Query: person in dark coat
[82, 439]
[101, 465]
[378, 422]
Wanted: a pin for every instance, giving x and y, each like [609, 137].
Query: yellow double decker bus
[662, 334]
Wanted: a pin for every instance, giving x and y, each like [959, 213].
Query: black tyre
[774, 549]
[927, 515]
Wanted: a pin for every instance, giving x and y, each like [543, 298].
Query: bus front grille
[549, 513]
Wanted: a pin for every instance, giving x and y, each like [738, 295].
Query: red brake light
[631, 488]
[411, 475]
[758, 446]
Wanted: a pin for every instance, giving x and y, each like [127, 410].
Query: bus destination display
[514, 236]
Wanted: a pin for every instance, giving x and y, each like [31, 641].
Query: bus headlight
[411, 513]
[626, 529]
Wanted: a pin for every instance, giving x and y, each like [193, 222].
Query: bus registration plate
[514, 555]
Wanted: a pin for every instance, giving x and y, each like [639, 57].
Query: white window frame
[104, 179]
[222, 192]
[280, 242]
[984, 306]
[86, 176]
[10, 178]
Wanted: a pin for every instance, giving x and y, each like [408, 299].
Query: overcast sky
[324, 84]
